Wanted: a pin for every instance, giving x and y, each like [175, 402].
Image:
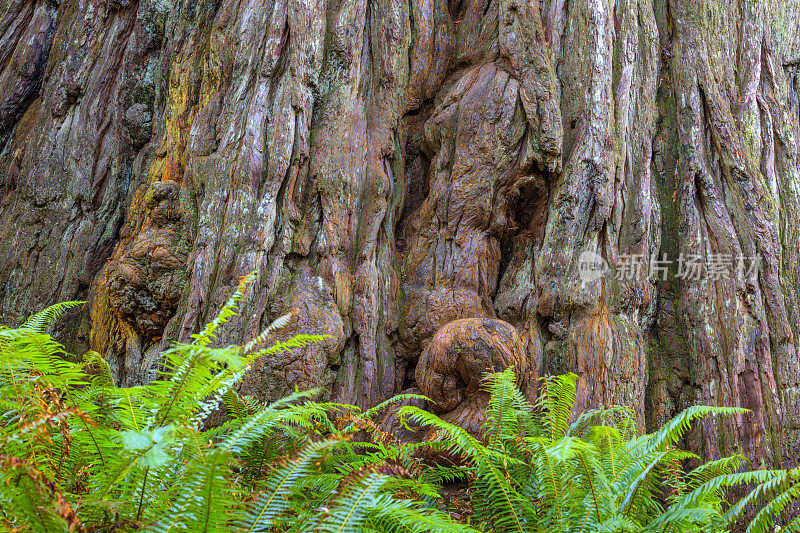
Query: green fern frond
[685, 519]
[350, 509]
[642, 470]
[766, 516]
[506, 504]
[712, 488]
[400, 516]
[202, 500]
[228, 311]
[673, 430]
[276, 416]
[770, 482]
[274, 501]
[298, 341]
[278, 323]
[508, 411]
[44, 319]
[557, 395]
[394, 400]
[712, 470]
[622, 418]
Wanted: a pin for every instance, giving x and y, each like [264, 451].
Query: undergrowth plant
[81, 454]
[539, 470]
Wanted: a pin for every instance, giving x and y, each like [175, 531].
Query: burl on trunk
[419, 178]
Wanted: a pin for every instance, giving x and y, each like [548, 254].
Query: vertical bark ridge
[399, 171]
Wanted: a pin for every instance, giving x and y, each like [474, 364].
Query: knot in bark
[462, 352]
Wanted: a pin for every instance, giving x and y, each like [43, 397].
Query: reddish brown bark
[390, 166]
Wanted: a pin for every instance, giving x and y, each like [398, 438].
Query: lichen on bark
[392, 168]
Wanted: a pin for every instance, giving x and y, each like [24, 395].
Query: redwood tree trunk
[390, 166]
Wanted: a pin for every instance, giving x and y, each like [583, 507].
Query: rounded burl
[452, 367]
[144, 283]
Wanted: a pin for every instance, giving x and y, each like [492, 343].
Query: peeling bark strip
[409, 173]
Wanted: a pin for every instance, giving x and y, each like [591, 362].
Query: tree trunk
[390, 166]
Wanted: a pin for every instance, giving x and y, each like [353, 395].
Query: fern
[280, 322]
[555, 403]
[673, 430]
[508, 509]
[765, 518]
[597, 473]
[44, 319]
[228, 311]
[80, 453]
[274, 501]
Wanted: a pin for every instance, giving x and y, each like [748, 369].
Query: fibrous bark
[392, 166]
[451, 370]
